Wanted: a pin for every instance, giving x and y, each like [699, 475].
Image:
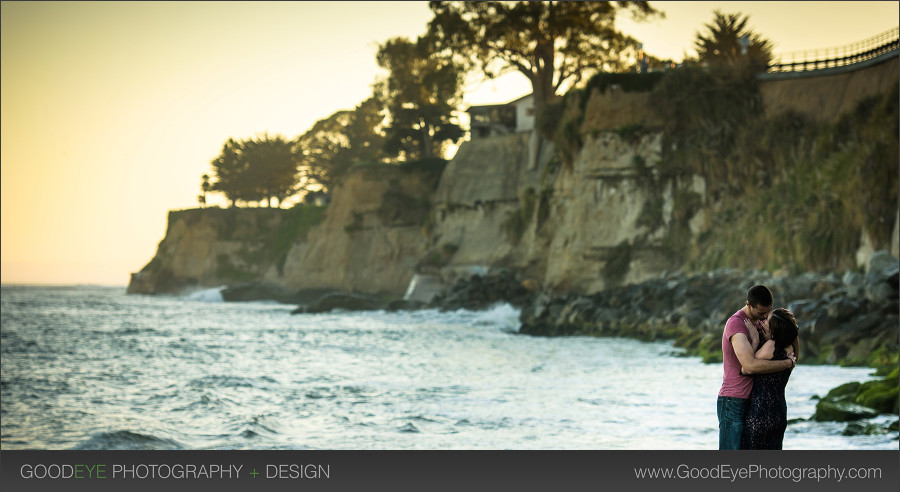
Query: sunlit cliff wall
[370, 239]
[604, 219]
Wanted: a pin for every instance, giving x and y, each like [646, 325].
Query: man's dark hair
[760, 295]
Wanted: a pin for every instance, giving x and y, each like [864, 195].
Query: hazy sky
[111, 111]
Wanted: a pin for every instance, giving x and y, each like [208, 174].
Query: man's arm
[750, 364]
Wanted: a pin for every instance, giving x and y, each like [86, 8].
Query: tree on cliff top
[228, 169]
[420, 92]
[551, 43]
[272, 167]
[256, 169]
[336, 143]
[721, 45]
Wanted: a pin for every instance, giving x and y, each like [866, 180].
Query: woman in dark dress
[766, 417]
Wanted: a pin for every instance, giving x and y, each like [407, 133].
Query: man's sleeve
[734, 326]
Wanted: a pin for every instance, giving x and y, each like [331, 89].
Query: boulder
[882, 395]
[844, 392]
[860, 429]
[343, 301]
[257, 292]
[404, 305]
[883, 272]
[480, 292]
[840, 411]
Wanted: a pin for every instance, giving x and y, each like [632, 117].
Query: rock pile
[850, 319]
[480, 292]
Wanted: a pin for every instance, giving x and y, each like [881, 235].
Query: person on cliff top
[740, 341]
[766, 417]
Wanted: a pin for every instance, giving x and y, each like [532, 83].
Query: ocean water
[88, 367]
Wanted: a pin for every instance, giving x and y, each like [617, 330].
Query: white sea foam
[206, 295]
[251, 376]
[503, 316]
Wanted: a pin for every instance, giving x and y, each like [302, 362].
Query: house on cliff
[502, 119]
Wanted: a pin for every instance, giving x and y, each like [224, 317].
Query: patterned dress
[766, 417]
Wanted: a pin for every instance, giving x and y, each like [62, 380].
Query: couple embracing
[759, 351]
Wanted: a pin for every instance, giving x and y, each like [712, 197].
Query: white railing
[799, 61]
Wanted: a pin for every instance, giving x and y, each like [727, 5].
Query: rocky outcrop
[206, 248]
[341, 301]
[480, 292]
[857, 401]
[369, 241]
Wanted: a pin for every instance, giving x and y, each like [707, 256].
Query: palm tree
[721, 45]
[205, 186]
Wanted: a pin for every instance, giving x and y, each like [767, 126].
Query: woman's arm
[750, 364]
[767, 351]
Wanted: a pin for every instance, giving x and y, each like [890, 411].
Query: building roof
[488, 106]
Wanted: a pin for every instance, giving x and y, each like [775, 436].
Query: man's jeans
[731, 421]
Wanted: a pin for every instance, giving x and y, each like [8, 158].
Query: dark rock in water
[880, 395]
[347, 302]
[840, 411]
[480, 292]
[257, 292]
[404, 305]
[860, 429]
[844, 392]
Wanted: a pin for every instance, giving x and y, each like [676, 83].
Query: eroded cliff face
[601, 222]
[205, 248]
[618, 214]
[615, 214]
[369, 241]
[479, 213]
[371, 238]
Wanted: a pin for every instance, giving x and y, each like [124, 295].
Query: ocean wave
[207, 295]
[257, 426]
[503, 315]
[127, 440]
[230, 382]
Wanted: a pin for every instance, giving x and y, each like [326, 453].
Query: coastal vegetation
[788, 191]
[421, 93]
[254, 169]
[554, 44]
[412, 113]
[729, 41]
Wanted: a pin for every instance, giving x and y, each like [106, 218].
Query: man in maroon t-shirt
[739, 344]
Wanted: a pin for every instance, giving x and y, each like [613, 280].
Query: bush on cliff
[825, 186]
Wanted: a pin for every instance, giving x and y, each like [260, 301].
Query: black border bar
[398, 471]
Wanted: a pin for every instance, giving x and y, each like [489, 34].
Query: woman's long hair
[783, 327]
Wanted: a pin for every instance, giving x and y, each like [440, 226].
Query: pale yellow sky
[112, 111]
